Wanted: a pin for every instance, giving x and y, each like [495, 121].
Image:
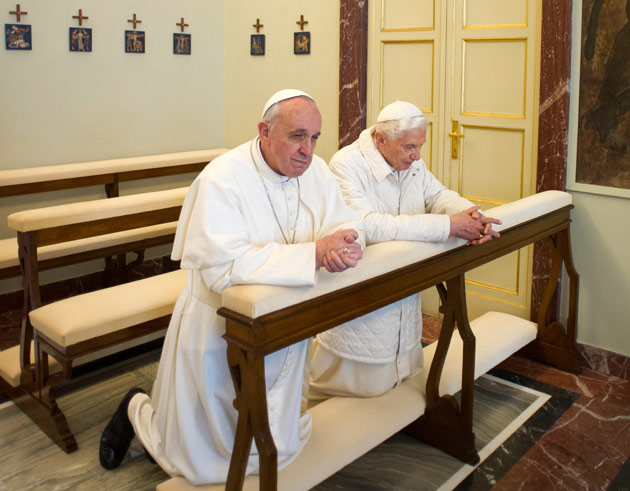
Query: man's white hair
[395, 127]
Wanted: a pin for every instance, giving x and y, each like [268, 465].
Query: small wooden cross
[80, 17]
[258, 25]
[135, 21]
[18, 12]
[181, 24]
[302, 22]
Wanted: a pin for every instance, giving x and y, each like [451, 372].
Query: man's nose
[415, 154]
[307, 146]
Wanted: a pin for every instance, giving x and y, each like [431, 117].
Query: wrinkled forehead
[300, 113]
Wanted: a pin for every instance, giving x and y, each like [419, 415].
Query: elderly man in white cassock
[384, 179]
[268, 211]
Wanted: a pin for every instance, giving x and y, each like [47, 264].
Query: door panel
[403, 61]
[495, 13]
[407, 15]
[492, 164]
[492, 88]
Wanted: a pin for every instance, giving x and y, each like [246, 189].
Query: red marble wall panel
[555, 71]
[353, 34]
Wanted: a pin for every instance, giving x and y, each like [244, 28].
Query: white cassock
[228, 235]
[373, 353]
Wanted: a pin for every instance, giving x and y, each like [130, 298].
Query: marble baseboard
[603, 361]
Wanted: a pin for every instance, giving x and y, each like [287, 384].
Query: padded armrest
[54, 216]
[257, 300]
[68, 171]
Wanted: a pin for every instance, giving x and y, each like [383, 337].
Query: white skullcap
[398, 110]
[283, 95]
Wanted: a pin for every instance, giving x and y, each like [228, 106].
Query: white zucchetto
[283, 95]
[398, 110]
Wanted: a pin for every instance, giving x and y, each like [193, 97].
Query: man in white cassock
[268, 211]
[384, 179]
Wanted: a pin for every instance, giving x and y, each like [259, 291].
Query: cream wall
[59, 106]
[250, 80]
[600, 241]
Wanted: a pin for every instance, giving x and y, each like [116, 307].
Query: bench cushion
[257, 300]
[55, 216]
[68, 171]
[101, 312]
[9, 247]
[344, 428]
[10, 369]
[8, 253]
[497, 337]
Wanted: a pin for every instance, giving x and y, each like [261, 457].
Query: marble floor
[579, 440]
[588, 447]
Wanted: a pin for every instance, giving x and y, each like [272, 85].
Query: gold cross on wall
[135, 21]
[80, 17]
[258, 25]
[18, 12]
[181, 24]
[301, 22]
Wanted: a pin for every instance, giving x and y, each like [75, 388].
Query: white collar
[263, 167]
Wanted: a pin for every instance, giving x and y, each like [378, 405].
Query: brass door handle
[454, 136]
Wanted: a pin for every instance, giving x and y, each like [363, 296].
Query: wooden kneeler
[262, 319]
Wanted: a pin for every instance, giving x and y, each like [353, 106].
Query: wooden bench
[83, 326]
[110, 173]
[262, 319]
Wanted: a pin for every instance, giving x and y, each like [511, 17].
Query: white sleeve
[440, 200]
[213, 237]
[354, 176]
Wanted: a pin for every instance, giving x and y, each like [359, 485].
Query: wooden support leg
[39, 402]
[554, 345]
[444, 425]
[248, 376]
[33, 396]
[44, 412]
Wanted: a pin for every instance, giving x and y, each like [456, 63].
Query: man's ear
[263, 130]
[379, 138]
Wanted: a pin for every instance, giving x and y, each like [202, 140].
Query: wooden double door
[472, 67]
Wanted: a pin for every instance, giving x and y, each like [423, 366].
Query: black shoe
[118, 434]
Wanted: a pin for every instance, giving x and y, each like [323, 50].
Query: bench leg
[444, 424]
[45, 413]
[248, 376]
[38, 400]
[554, 345]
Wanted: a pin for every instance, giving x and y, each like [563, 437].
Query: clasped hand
[338, 251]
[473, 226]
